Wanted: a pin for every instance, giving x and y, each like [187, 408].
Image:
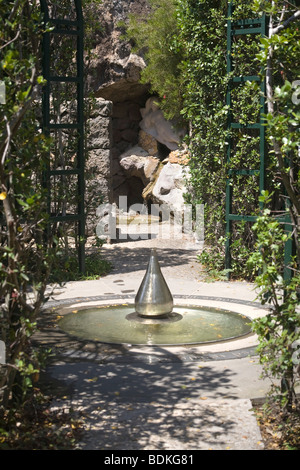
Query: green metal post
[46, 93]
[237, 28]
[262, 149]
[80, 118]
[65, 27]
[228, 181]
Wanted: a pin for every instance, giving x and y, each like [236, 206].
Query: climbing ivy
[278, 277]
[278, 330]
[201, 27]
[185, 47]
[203, 31]
[156, 36]
[25, 253]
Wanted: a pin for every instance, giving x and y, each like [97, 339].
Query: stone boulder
[155, 124]
[137, 162]
[170, 186]
[124, 83]
[148, 143]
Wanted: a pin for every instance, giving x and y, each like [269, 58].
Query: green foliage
[204, 71]
[66, 269]
[93, 26]
[278, 331]
[200, 58]
[30, 252]
[25, 254]
[156, 36]
[203, 28]
[35, 426]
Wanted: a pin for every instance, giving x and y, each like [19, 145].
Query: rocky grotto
[133, 150]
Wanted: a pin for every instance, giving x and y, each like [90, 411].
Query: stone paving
[158, 398]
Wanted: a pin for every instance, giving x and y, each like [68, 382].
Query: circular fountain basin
[119, 324]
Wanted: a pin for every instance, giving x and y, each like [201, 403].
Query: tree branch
[14, 11]
[16, 121]
[12, 40]
[285, 24]
[270, 103]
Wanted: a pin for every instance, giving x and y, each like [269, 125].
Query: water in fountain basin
[186, 325]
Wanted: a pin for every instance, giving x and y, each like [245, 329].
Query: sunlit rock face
[115, 69]
[133, 149]
[155, 124]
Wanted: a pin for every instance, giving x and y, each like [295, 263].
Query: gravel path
[157, 401]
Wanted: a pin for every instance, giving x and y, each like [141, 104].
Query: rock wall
[125, 124]
[115, 71]
[99, 160]
[99, 146]
[129, 141]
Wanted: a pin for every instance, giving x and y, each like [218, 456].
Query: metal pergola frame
[239, 28]
[65, 27]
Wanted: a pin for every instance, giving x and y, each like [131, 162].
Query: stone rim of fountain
[231, 349]
[154, 291]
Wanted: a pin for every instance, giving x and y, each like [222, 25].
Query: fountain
[153, 298]
[154, 319]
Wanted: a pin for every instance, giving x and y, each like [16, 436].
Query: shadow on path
[126, 259]
[140, 405]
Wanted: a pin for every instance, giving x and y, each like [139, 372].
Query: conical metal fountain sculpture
[153, 298]
[155, 321]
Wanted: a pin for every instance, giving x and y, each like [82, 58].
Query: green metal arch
[76, 3]
[236, 28]
[64, 20]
